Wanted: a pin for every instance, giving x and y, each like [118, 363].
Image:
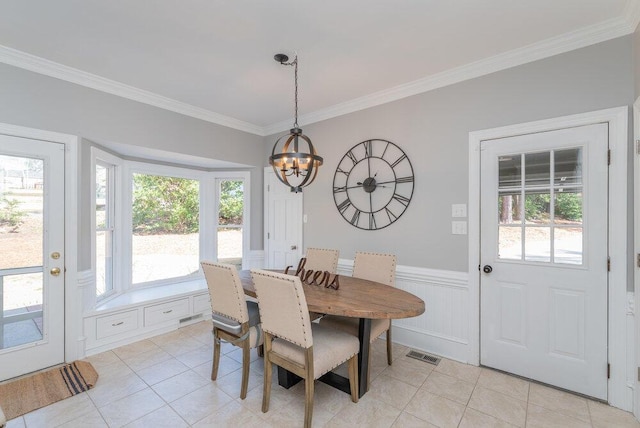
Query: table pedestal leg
[364, 334]
[287, 379]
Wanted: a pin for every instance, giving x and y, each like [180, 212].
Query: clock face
[373, 184]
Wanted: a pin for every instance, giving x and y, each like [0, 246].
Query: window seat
[143, 313]
[152, 295]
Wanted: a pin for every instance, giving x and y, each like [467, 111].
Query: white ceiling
[213, 58]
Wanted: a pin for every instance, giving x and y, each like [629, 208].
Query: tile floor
[165, 382]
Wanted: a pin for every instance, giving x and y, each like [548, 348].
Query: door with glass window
[31, 255]
[544, 257]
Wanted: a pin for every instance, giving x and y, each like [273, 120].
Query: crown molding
[40, 65]
[566, 42]
[632, 15]
[606, 30]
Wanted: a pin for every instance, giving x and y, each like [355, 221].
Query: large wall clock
[373, 184]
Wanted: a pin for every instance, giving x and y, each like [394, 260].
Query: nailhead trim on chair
[240, 302]
[299, 308]
[392, 276]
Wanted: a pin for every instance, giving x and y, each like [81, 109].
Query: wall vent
[424, 357]
[191, 318]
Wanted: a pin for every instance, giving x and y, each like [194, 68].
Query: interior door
[32, 257]
[283, 224]
[544, 257]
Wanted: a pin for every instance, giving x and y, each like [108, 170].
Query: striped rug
[31, 392]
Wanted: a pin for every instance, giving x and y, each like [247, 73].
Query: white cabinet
[144, 313]
[157, 314]
[118, 323]
[201, 303]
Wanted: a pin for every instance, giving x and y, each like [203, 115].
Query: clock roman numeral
[402, 199]
[372, 221]
[340, 189]
[400, 159]
[352, 156]
[356, 217]
[368, 149]
[391, 215]
[408, 179]
[343, 172]
[344, 205]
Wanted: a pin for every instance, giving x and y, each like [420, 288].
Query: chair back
[225, 291]
[321, 259]
[283, 307]
[375, 267]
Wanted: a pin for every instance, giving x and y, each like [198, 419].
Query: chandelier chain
[295, 61]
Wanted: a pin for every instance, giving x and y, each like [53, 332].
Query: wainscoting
[443, 329]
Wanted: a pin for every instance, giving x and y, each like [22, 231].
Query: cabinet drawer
[201, 303]
[166, 311]
[110, 325]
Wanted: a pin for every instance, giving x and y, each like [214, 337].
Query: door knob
[294, 247]
[55, 271]
[487, 269]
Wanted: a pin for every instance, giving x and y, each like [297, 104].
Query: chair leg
[216, 355]
[246, 353]
[261, 351]
[389, 347]
[268, 370]
[308, 402]
[353, 378]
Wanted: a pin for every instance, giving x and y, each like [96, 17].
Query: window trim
[115, 164]
[216, 177]
[136, 167]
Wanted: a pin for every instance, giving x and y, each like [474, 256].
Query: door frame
[636, 271]
[620, 393]
[267, 171]
[73, 291]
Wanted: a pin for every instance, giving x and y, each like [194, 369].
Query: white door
[544, 257]
[31, 255]
[283, 224]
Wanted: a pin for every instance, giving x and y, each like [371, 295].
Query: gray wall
[433, 129]
[37, 101]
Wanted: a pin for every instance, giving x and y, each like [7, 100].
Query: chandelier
[293, 158]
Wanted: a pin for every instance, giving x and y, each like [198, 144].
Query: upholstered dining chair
[321, 259]
[374, 267]
[235, 319]
[294, 343]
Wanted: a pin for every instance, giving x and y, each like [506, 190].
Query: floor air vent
[424, 357]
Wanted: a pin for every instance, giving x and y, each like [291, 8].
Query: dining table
[354, 298]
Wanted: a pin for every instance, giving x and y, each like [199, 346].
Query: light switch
[459, 210]
[459, 227]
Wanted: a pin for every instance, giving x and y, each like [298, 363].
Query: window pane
[537, 207]
[104, 262]
[509, 208]
[101, 196]
[21, 212]
[21, 296]
[510, 243]
[568, 245]
[510, 174]
[230, 221]
[537, 244]
[568, 208]
[537, 170]
[166, 215]
[568, 167]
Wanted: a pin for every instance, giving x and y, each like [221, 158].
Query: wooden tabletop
[356, 297]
